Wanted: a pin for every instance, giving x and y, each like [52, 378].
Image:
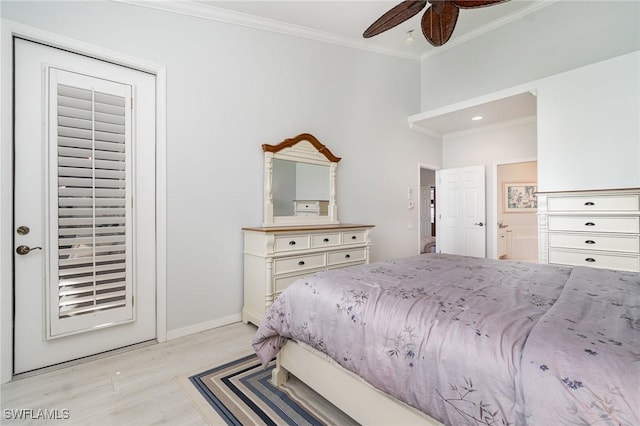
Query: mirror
[299, 183]
[300, 189]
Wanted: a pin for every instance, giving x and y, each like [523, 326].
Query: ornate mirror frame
[304, 148]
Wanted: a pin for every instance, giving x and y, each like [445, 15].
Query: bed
[447, 339]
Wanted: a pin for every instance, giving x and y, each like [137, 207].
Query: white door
[461, 211]
[84, 209]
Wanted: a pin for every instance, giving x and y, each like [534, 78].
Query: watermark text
[36, 414]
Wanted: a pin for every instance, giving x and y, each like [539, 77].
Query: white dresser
[274, 257]
[590, 228]
[310, 207]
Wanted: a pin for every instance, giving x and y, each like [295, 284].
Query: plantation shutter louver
[91, 218]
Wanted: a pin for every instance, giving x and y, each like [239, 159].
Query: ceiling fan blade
[472, 4]
[439, 21]
[397, 15]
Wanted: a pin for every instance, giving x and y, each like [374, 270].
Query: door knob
[479, 224]
[22, 250]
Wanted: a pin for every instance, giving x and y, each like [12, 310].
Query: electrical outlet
[411, 205]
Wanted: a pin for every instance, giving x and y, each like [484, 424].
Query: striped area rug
[241, 393]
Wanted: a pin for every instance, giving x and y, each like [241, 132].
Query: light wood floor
[137, 387]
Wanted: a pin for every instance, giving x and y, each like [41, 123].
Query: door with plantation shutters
[85, 222]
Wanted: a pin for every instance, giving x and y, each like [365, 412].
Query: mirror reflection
[300, 189]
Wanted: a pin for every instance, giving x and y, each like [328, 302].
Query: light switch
[409, 192]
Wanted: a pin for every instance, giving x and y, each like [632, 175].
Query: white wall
[510, 142]
[589, 127]
[565, 35]
[582, 57]
[231, 89]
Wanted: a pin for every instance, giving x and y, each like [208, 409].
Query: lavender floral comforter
[445, 334]
[581, 364]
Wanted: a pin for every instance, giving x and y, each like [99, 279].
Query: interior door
[461, 211]
[84, 206]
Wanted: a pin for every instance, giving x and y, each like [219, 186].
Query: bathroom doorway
[517, 211]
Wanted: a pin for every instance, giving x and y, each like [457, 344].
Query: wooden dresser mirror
[299, 183]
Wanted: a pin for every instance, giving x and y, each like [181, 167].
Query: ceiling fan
[438, 21]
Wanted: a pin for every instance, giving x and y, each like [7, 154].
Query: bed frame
[356, 398]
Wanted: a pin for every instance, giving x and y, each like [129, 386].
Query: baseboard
[203, 326]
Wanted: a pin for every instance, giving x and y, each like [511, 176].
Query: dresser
[275, 257]
[590, 228]
[310, 207]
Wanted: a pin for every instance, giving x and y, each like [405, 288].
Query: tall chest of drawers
[275, 257]
[590, 228]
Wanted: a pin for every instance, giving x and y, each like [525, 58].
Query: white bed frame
[356, 398]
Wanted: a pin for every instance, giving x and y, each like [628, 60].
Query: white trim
[493, 127]
[468, 103]
[227, 16]
[12, 29]
[456, 41]
[190, 8]
[494, 191]
[425, 131]
[203, 326]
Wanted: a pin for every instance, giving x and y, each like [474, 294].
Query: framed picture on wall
[520, 197]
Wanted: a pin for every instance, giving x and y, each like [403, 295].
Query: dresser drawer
[626, 202]
[353, 237]
[281, 283]
[325, 240]
[307, 206]
[298, 263]
[594, 224]
[291, 242]
[346, 256]
[596, 260]
[621, 243]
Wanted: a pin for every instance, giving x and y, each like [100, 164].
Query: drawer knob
[292, 243]
[347, 256]
[589, 203]
[326, 240]
[353, 237]
[589, 224]
[589, 242]
[590, 259]
[301, 263]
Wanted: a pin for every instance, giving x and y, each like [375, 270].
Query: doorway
[517, 232]
[84, 206]
[428, 210]
[459, 216]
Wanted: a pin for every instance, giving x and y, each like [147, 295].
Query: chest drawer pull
[292, 243]
[353, 237]
[589, 242]
[301, 263]
[589, 224]
[590, 259]
[589, 203]
[347, 256]
[326, 240]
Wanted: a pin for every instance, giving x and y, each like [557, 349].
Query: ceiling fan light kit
[410, 38]
[438, 22]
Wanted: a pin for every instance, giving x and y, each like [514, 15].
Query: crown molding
[425, 131]
[456, 41]
[189, 8]
[212, 13]
[492, 127]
